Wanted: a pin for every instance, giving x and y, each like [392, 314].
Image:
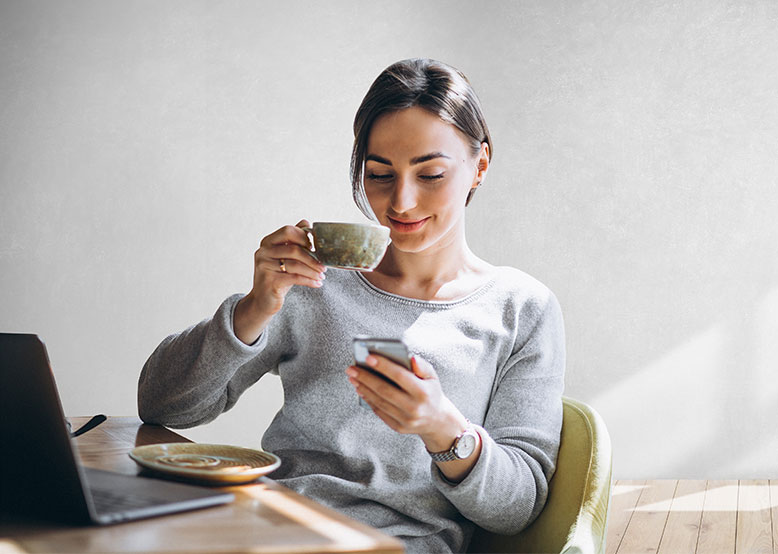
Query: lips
[407, 225]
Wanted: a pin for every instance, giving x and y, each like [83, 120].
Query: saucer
[211, 463]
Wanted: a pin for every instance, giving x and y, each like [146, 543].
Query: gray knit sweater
[499, 353]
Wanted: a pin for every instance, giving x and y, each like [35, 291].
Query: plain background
[146, 147]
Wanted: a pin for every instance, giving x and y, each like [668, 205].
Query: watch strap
[445, 456]
[450, 454]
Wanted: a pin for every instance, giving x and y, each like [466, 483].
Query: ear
[482, 165]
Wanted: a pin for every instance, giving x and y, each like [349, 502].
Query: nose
[404, 196]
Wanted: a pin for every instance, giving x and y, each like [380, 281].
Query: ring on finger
[282, 265]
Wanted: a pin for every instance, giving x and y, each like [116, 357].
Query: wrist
[453, 425]
[252, 307]
[462, 448]
[248, 320]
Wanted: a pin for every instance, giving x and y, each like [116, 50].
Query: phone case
[393, 349]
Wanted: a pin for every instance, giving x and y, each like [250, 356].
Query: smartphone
[392, 349]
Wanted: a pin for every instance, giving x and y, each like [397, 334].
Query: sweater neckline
[477, 293]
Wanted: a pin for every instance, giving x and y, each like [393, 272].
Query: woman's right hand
[282, 261]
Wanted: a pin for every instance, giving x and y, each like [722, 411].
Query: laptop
[40, 476]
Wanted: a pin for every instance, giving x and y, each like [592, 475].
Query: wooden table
[265, 516]
[684, 516]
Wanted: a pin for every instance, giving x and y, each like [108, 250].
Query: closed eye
[432, 177]
[378, 176]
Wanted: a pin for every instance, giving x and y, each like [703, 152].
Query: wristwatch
[463, 446]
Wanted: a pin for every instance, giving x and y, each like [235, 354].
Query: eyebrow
[414, 161]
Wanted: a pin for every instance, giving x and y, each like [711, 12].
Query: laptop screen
[38, 470]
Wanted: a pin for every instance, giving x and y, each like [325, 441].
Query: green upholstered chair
[575, 516]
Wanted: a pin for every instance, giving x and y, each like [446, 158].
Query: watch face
[465, 445]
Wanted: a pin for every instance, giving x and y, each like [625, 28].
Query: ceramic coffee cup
[359, 246]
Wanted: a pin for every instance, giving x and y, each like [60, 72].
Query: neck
[446, 271]
[440, 264]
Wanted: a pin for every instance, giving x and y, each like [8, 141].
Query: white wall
[146, 147]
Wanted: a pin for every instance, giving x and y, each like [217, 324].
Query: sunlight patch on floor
[729, 498]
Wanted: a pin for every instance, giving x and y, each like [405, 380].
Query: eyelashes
[385, 177]
[437, 177]
[378, 177]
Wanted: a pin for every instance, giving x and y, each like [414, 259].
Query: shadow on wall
[646, 156]
[675, 410]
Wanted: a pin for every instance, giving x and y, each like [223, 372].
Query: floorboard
[625, 498]
[683, 522]
[754, 526]
[695, 517]
[645, 529]
[719, 518]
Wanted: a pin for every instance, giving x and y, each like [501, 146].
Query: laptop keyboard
[106, 501]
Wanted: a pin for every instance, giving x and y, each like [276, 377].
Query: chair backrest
[575, 516]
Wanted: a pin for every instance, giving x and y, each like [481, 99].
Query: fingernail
[351, 372]
[317, 283]
[371, 360]
[322, 276]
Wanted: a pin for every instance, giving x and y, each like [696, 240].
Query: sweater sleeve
[195, 375]
[507, 488]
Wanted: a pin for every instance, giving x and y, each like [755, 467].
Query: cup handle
[311, 246]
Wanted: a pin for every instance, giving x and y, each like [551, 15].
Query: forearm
[453, 424]
[176, 387]
[457, 470]
[249, 320]
[505, 488]
[187, 379]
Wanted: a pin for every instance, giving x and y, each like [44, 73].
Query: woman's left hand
[416, 405]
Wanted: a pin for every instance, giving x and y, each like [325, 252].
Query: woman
[471, 435]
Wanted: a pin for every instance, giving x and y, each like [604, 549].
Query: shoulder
[523, 299]
[520, 286]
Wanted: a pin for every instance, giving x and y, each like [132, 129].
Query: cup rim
[348, 224]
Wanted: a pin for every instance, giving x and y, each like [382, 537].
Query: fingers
[391, 370]
[277, 274]
[386, 413]
[291, 272]
[417, 405]
[295, 260]
[383, 398]
[286, 251]
[401, 391]
[288, 234]
[282, 260]
[408, 381]
[422, 368]
[291, 266]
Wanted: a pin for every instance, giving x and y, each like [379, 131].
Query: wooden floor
[677, 517]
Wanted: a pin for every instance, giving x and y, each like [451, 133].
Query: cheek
[454, 195]
[447, 206]
[375, 198]
[455, 206]
[380, 203]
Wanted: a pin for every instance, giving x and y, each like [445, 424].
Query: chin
[409, 244]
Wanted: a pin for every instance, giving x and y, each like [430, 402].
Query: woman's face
[418, 172]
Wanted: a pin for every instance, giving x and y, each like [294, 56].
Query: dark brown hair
[429, 84]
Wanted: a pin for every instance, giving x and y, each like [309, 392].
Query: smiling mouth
[407, 226]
